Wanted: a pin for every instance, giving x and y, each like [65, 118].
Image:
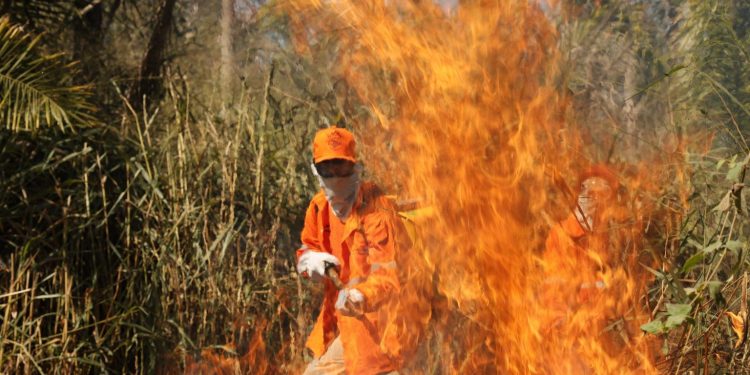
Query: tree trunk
[149, 80]
[88, 30]
[227, 55]
[5, 8]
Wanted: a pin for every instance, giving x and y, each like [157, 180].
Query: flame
[225, 359]
[470, 101]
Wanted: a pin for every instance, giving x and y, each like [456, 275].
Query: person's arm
[312, 259]
[309, 235]
[381, 232]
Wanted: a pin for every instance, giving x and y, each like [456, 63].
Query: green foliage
[676, 314]
[654, 327]
[715, 91]
[649, 70]
[36, 89]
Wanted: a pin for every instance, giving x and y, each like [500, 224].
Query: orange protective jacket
[572, 260]
[366, 245]
[562, 248]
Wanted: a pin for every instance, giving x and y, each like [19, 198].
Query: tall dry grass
[137, 247]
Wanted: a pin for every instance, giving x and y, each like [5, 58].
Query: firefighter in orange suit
[580, 241]
[352, 226]
[575, 254]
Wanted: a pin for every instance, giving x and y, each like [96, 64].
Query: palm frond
[36, 89]
[38, 14]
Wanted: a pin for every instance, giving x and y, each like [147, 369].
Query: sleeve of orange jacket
[382, 281]
[552, 251]
[309, 236]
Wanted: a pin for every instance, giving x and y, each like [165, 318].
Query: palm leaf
[38, 14]
[36, 89]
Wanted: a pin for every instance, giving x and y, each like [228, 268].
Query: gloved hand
[588, 291]
[351, 302]
[314, 264]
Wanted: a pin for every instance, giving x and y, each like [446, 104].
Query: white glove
[314, 263]
[350, 302]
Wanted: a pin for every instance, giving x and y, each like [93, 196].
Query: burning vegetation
[479, 127]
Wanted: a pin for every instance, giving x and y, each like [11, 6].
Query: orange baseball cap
[333, 143]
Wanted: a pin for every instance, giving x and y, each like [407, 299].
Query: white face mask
[592, 191]
[585, 212]
[340, 191]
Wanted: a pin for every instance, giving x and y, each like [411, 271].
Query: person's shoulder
[319, 199]
[374, 200]
[370, 189]
[572, 227]
[372, 194]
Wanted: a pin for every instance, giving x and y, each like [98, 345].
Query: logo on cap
[334, 140]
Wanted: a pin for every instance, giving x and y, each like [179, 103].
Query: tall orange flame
[469, 100]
